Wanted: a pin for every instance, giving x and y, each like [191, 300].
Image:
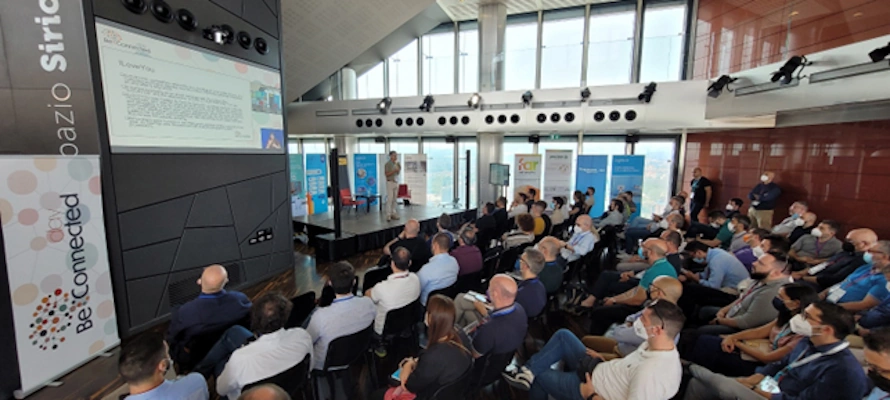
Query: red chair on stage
[346, 199]
[404, 194]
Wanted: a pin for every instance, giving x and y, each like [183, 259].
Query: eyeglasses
[655, 310]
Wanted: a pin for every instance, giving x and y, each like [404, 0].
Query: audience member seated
[630, 208]
[347, 314]
[842, 264]
[443, 226]
[733, 207]
[410, 239]
[580, 204]
[554, 265]
[400, 288]
[215, 309]
[621, 339]
[740, 353]
[739, 227]
[500, 214]
[818, 246]
[717, 226]
[525, 233]
[751, 250]
[542, 221]
[717, 285]
[865, 287]
[640, 228]
[725, 234]
[486, 223]
[519, 205]
[652, 372]
[560, 211]
[144, 361]
[265, 392]
[794, 220]
[615, 216]
[809, 222]
[819, 367]
[674, 241]
[876, 316]
[446, 358]
[274, 351]
[877, 358]
[468, 256]
[582, 242]
[588, 196]
[531, 294]
[441, 272]
[503, 330]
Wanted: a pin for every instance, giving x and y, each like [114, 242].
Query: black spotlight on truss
[879, 54]
[474, 101]
[428, 102]
[648, 91]
[527, 97]
[383, 105]
[717, 87]
[585, 94]
[786, 73]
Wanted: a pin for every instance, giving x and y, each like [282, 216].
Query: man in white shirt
[442, 269]
[276, 349]
[582, 240]
[652, 372]
[795, 218]
[398, 290]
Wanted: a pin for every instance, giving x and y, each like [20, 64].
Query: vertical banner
[365, 175]
[527, 173]
[298, 191]
[414, 175]
[317, 183]
[57, 264]
[627, 174]
[592, 173]
[558, 174]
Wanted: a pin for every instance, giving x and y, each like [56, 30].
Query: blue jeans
[563, 346]
[219, 354]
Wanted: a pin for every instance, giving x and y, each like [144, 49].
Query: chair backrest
[508, 258]
[344, 350]
[403, 191]
[290, 380]
[449, 292]
[467, 282]
[400, 320]
[199, 345]
[490, 263]
[456, 389]
[488, 368]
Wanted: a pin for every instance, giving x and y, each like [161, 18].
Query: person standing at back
[392, 171]
[763, 201]
[701, 194]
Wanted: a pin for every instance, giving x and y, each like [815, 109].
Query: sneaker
[380, 351]
[520, 378]
[395, 217]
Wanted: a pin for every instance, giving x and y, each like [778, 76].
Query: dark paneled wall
[841, 170]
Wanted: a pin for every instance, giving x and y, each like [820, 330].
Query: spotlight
[474, 101]
[244, 40]
[880, 54]
[162, 11]
[427, 103]
[648, 91]
[717, 87]
[585, 94]
[261, 46]
[135, 6]
[383, 105]
[186, 19]
[219, 34]
[527, 97]
[786, 73]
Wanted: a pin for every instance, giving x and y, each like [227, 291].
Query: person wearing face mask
[820, 367]
[795, 215]
[640, 227]
[714, 233]
[763, 201]
[582, 241]
[865, 287]
[877, 358]
[651, 372]
[144, 362]
[842, 264]
[751, 250]
[878, 315]
[810, 220]
[817, 247]
[733, 207]
[740, 353]
[739, 228]
[716, 285]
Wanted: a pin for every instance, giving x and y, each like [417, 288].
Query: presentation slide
[177, 98]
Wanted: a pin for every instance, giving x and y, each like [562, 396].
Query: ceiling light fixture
[717, 87]
[474, 101]
[383, 105]
[585, 94]
[427, 104]
[527, 97]
[648, 91]
[786, 73]
[880, 53]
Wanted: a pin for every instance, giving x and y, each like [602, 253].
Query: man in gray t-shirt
[818, 246]
[392, 171]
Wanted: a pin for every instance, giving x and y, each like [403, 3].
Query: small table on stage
[371, 197]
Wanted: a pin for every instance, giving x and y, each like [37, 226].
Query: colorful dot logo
[53, 317]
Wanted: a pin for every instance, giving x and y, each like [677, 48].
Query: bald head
[667, 288]
[213, 279]
[862, 238]
[585, 222]
[549, 246]
[770, 175]
[265, 392]
[502, 290]
[412, 227]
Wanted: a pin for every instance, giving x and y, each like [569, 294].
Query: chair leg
[317, 396]
[332, 384]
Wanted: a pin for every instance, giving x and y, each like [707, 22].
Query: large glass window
[663, 27]
[562, 42]
[520, 54]
[314, 146]
[438, 61]
[370, 84]
[292, 146]
[610, 48]
[403, 71]
[370, 146]
[404, 145]
[468, 64]
[570, 143]
[658, 173]
[512, 147]
[464, 144]
[440, 171]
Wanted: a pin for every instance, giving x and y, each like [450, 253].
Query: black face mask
[879, 380]
[779, 305]
[848, 247]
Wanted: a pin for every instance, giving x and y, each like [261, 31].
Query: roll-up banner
[527, 173]
[558, 174]
[414, 169]
[592, 172]
[366, 175]
[317, 183]
[627, 175]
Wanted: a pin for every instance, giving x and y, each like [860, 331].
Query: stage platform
[364, 230]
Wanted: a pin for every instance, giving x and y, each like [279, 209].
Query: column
[490, 147]
[492, 28]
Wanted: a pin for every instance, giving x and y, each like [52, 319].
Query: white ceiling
[463, 10]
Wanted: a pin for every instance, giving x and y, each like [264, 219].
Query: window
[464, 144]
[512, 147]
[658, 172]
[610, 47]
[520, 54]
[404, 145]
[562, 42]
[468, 67]
[293, 147]
[403, 71]
[440, 171]
[370, 146]
[569, 143]
[663, 28]
[438, 61]
[370, 84]
[314, 146]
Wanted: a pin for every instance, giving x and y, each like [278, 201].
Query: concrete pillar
[492, 28]
[490, 147]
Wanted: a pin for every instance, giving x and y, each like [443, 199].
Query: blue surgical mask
[795, 216]
[699, 260]
[867, 257]
[640, 253]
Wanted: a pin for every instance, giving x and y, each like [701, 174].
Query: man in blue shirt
[865, 287]
[877, 358]
[504, 327]
[442, 269]
[143, 364]
[763, 201]
[716, 286]
[819, 367]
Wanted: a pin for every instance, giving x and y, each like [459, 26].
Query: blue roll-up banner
[627, 174]
[592, 172]
[365, 175]
[317, 183]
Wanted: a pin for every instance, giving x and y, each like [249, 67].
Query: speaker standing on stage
[392, 170]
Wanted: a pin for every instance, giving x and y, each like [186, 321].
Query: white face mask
[758, 252]
[799, 222]
[764, 178]
[800, 326]
[663, 224]
[640, 329]
[887, 286]
[715, 225]
[731, 227]
[578, 228]
[729, 207]
[816, 233]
